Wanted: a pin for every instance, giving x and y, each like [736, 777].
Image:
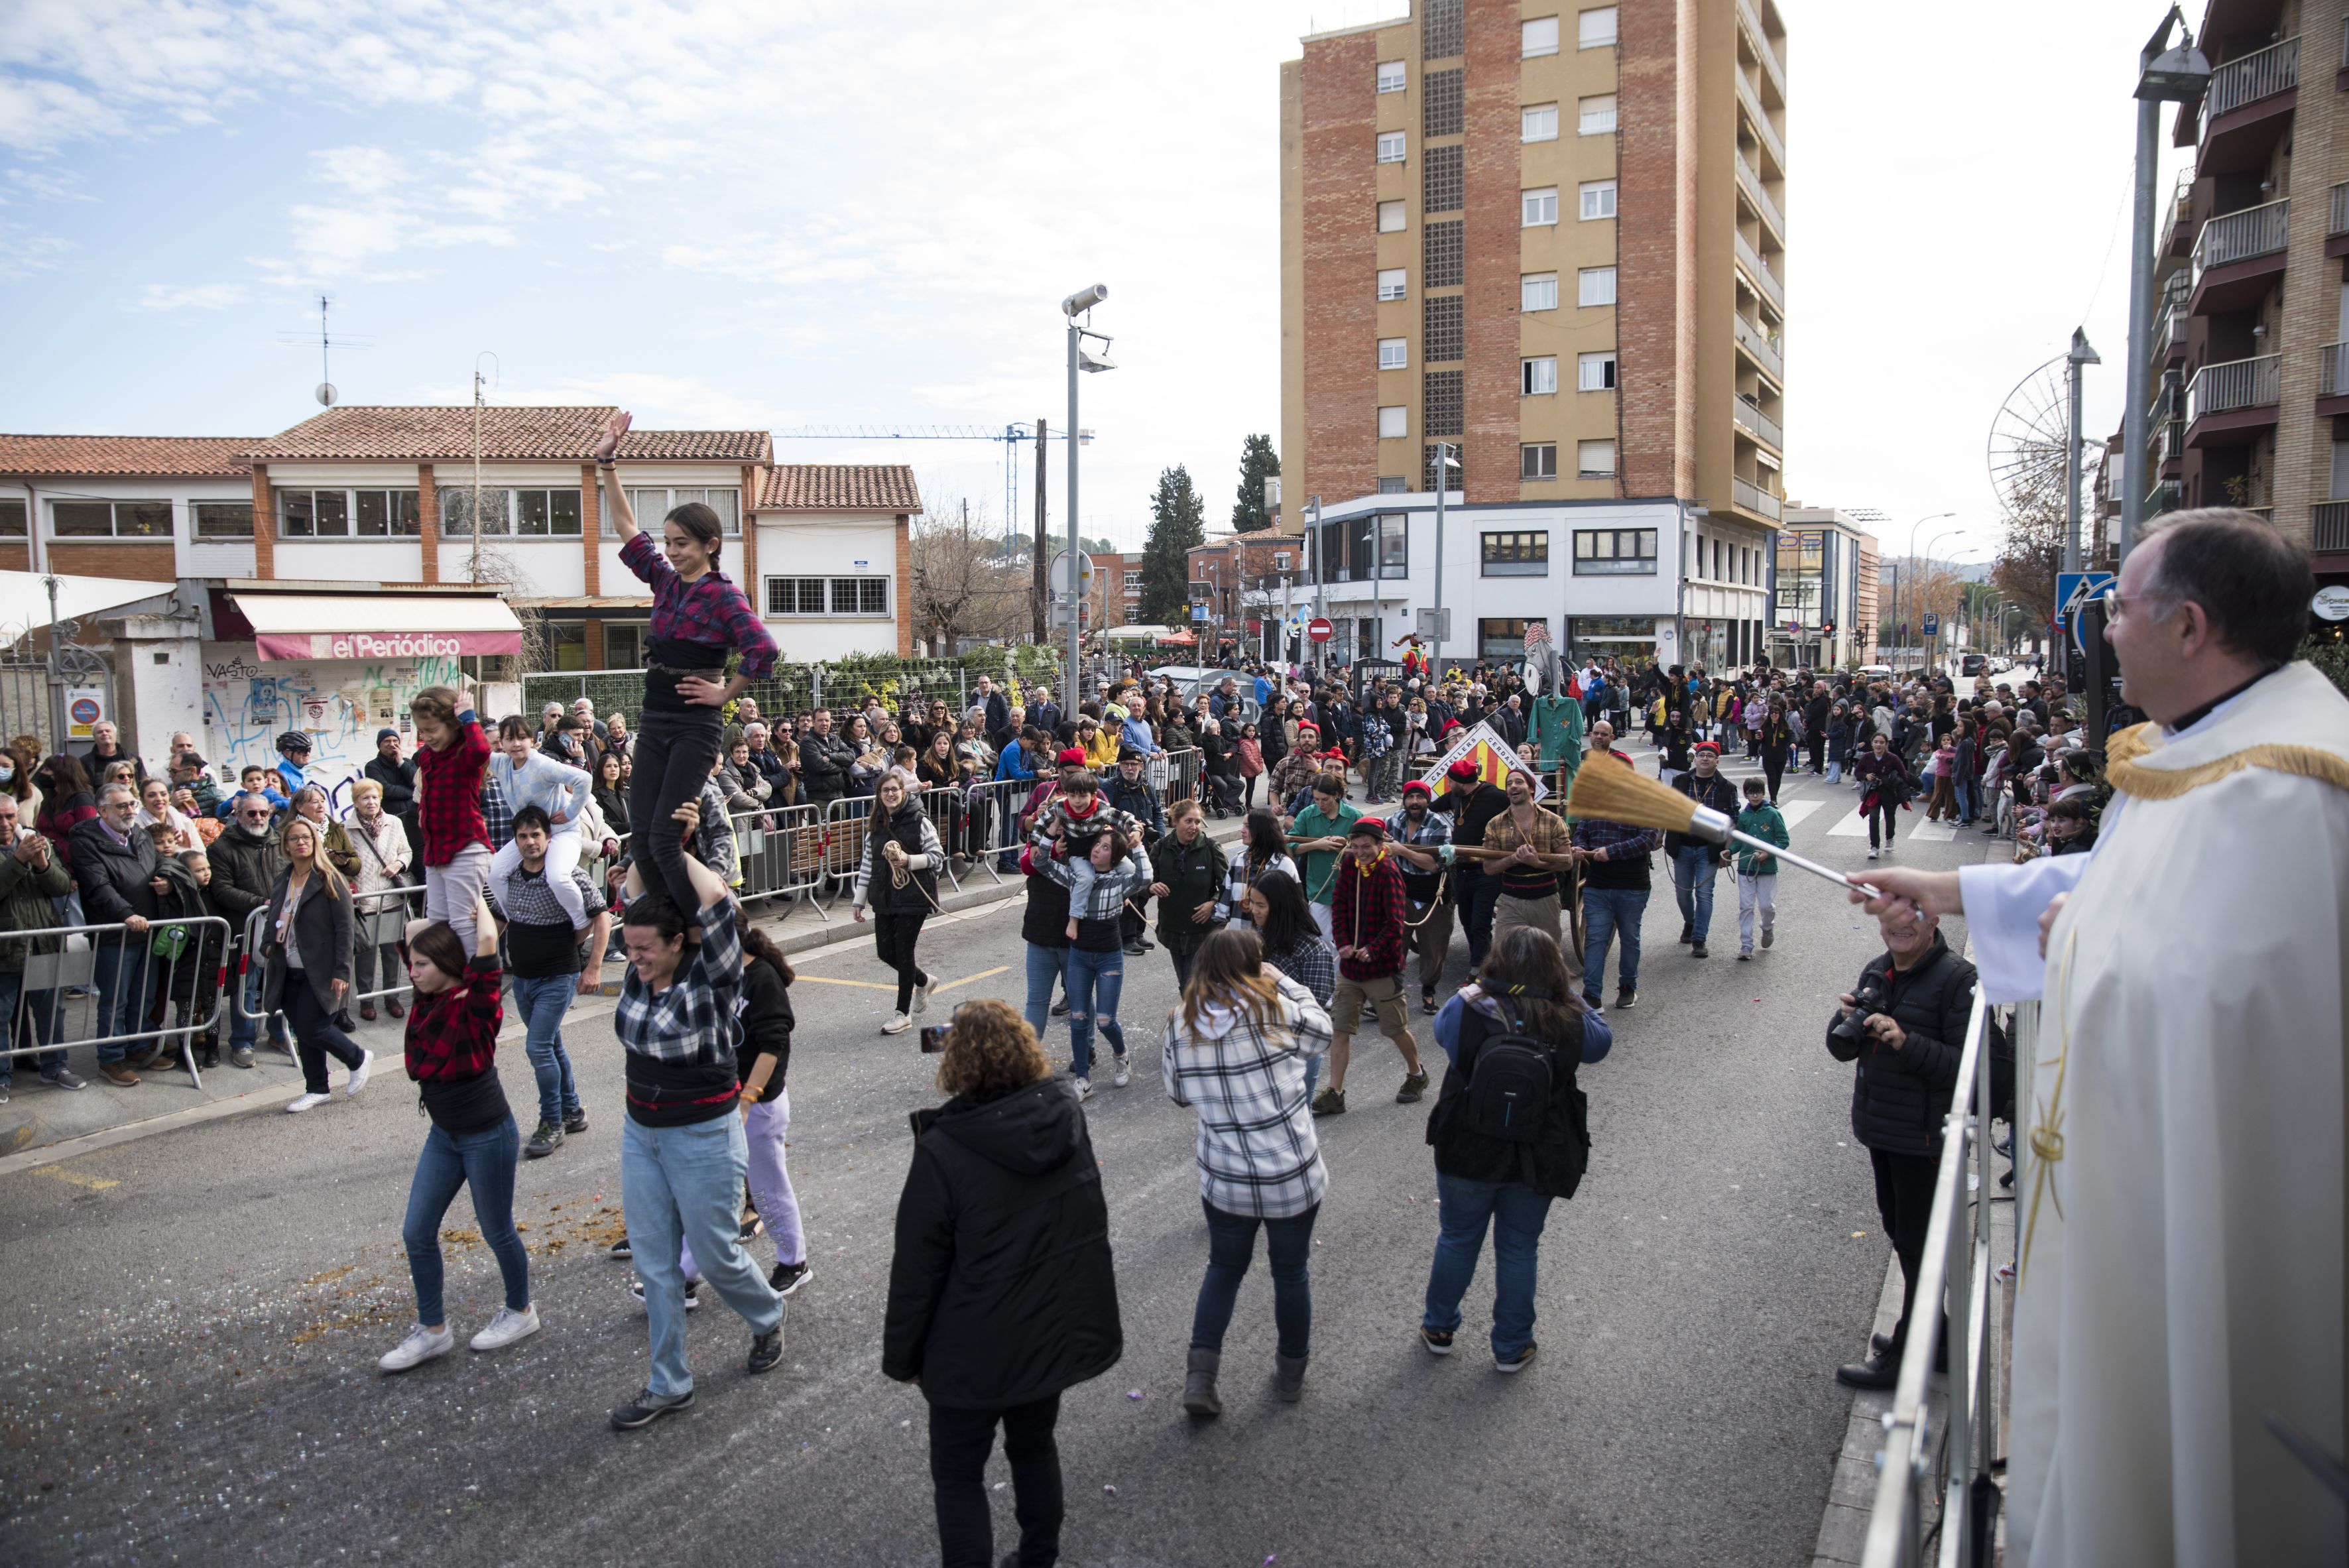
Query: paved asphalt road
[191, 1320]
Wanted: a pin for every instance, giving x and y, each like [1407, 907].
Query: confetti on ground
[1857, 1234]
[1133, 1392]
[1110, 1490]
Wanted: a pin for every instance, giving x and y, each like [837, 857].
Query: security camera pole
[1075, 306]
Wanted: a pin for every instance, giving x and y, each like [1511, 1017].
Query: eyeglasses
[2152, 606]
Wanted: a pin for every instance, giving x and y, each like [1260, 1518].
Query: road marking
[829, 980]
[1933, 832]
[967, 979]
[77, 1177]
[1851, 826]
[1795, 811]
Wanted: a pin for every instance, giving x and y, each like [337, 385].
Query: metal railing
[1763, 131]
[2171, 316]
[2239, 236]
[1751, 183]
[1773, 288]
[1753, 497]
[2331, 373]
[2260, 73]
[189, 955]
[1917, 1464]
[1763, 346]
[2336, 220]
[2255, 383]
[2167, 496]
[2328, 526]
[1757, 424]
[1759, 41]
[2180, 213]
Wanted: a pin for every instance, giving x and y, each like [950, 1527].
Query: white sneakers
[421, 1345]
[302, 1102]
[1084, 1088]
[898, 1023]
[359, 1073]
[922, 998]
[1871, 855]
[1123, 1076]
[506, 1327]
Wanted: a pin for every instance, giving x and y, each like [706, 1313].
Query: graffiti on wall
[340, 704]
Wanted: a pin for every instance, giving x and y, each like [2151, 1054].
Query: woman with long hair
[65, 803]
[1002, 1294]
[898, 874]
[1263, 848]
[452, 1055]
[310, 804]
[1510, 1135]
[156, 811]
[700, 618]
[933, 766]
[307, 957]
[1293, 944]
[382, 846]
[1236, 1051]
[612, 793]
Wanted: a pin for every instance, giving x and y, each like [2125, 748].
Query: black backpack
[1509, 1087]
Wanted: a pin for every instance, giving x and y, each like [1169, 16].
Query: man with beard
[1421, 838]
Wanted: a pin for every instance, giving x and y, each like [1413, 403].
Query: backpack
[1510, 1086]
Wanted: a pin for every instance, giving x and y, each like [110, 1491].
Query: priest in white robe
[2182, 1216]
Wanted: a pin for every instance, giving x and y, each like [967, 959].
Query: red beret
[1422, 787]
[1464, 770]
[1708, 746]
[1074, 757]
[1366, 828]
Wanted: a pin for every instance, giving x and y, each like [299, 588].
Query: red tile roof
[840, 487]
[434, 433]
[156, 457]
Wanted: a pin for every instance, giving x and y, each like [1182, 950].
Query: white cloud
[23, 252]
[186, 296]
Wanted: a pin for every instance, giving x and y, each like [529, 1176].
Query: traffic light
[1826, 629]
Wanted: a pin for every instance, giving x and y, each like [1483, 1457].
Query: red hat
[1074, 757]
[1450, 725]
[1466, 771]
[1708, 746]
[1420, 787]
[1309, 727]
[1366, 828]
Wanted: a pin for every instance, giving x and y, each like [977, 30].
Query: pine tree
[1258, 462]
[1177, 521]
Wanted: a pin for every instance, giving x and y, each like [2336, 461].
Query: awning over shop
[379, 626]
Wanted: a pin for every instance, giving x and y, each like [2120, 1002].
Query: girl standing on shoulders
[450, 753]
[698, 617]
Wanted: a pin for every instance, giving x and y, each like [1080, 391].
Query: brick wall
[15, 557]
[153, 562]
[1655, 309]
[2302, 462]
[1492, 238]
[428, 520]
[591, 536]
[1340, 268]
[264, 524]
[904, 588]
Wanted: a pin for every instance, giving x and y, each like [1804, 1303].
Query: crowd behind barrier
[176, 988]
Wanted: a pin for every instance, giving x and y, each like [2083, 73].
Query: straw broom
[1609, 789]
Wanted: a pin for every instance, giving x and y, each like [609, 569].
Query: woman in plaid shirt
[1236, 1051]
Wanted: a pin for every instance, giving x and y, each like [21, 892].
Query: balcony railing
[1762, 346]
[1752, 498]
[1760, 43]
[2272, 70]
[2255, 382]
[1757, 424]
[1763, 131]
[2333, 370]
[2167, 496]
[1763, 278]
[2336, 220]
[2239, 236]
[1752, 182]
[2181, 210]
[2328, 526]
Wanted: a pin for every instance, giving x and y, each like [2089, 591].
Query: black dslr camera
[1868, 1001]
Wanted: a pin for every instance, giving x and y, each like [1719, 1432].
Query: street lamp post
[1079, 304]
[2164, 75]
[2080, 357]
[1903, 592]
[1445, 463]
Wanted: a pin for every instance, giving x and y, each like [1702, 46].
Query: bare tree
[964, 586]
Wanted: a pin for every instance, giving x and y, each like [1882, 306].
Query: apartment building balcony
[1763, 131]
[1752, 500]
[2177, 227]
[2336, 215]
[2247, 108]
[1759, 271]
[1761, 346]
[2170, 322]
[2167, 496]
[1749, 185]
[2328, 528]
[2238, 256]
[2228, 404]
[1757, 424]
[2333, 380]
[1757, 42]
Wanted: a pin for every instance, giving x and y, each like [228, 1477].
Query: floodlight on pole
[1444, 462]
[1075, 306]
[2164, 75]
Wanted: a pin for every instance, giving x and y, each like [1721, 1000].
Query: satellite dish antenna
[326, 393]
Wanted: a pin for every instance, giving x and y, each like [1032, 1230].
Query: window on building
[540, 514]
[1614, 552]
[1595, 285]
[1440, 393]
[1540, 37]
[1394, 354]
[1597, 117]
[1537, 376]
[1444, 255]
[1517, 555]
[1394, 422]
[1441, 96]
[497, 509]
[1391, 76]
[1595, 459]
[1443, 333]
[12, 519]
[796, 596]
[1390, 147]
[1597, 198]
[1595, 28]
[1391, 218]
[624, 644]
[567, 641]
[1441, 188]
[399, 513]
[1539, 206]
[217, 518]
[1454, 477]
[1441, 28]
[1537, 290]
[1537, 122]
[526, 514]
[1497, 639]
[1280, 560]
[1538, 461]
[1394, 544]
[1392, 484]
[110, 519]
[858, 596]
[1393, 283]
[1594, 372]
[652, 505]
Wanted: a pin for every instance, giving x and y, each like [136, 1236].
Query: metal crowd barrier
[1183, 768]
[1912, 1466]
[779, 851]
[202, 946]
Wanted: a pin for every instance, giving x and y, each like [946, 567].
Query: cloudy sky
[771, 215]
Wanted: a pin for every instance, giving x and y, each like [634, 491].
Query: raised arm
[615, 499]
[708, 885]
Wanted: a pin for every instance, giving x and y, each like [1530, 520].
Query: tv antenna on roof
[325, 393]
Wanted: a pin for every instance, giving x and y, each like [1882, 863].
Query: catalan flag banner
[1492, 756]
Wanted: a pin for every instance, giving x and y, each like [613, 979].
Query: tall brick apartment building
[1552, 235]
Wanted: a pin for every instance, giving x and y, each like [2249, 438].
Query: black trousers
[894, 935]
[1818, 742]
[1904, 1200]
[1886, 815]
[960, 1441]
[315, 1035]
[674, 753]
[1773, 767]
[1135, 918]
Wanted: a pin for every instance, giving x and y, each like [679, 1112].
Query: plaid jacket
[710, 609]
[1366, 911]
[453, 1034]
[1257, 1152]
[497, 817]
[450, 783]
[693, 1020]
[1312, 964]
[1105, 891]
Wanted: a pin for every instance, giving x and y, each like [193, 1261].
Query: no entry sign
[1320, 630]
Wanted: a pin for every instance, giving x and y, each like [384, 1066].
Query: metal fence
[177, 968]
[795, 689]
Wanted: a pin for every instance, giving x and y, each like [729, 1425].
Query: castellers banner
[1492, 757]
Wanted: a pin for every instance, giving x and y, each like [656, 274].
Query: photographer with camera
[1905, 1024]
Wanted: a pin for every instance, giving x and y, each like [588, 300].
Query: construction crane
[1011, 436]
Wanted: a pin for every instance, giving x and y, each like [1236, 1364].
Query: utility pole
[1038, 592]
[476, 472]
[1079, 303]
[2164, 75]
[1320, 572]
[2081, 356]
[1442, 483]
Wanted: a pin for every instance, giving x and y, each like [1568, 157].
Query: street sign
[2074, 590]
[1061, 587]
[2332, 602]
[1434, 626]
[1931, 624]
[1320, 630]
[1201, 612]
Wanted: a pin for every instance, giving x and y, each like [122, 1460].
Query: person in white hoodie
[1236, 1050]
[526, 776]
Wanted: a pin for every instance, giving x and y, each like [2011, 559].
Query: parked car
[1191, 680]
[1972, 664]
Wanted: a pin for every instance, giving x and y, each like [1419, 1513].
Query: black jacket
[1717, 792]
[1002, 1290]
[114, 877]
[1559, 1155]
[245, 869]
[1899, 1099]
[823, 766]
[322, 929]
[1192, 877]
[998, 720]
[767, 1022]
[1044, 923]
[1139, 799]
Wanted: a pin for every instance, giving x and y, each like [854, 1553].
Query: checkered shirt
[694, 1020]
[1257, 1152]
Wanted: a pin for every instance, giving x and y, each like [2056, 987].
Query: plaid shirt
[497, 817]
[1366, 912]
[1433, 833]
[1105, 890]
[525, 899]
[453, 1034]
[1257, 1152]
[1619, 840]
[1312, 964]
[694, 1020]
[1549, 836]
[710, 609]
[450, 785]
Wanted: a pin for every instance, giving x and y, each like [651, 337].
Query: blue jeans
[1095, 981]
[1045, 965]
[681, 1184]
[1478, 895]
[543, 1002]
[1968, 799]
[1517, 1215]
[1231, 1247]
[121, 981]
[244, 1023]
[484, 1160]
[1611, 912]
[1834, 769]
[40, 1022]
[1692, 874]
